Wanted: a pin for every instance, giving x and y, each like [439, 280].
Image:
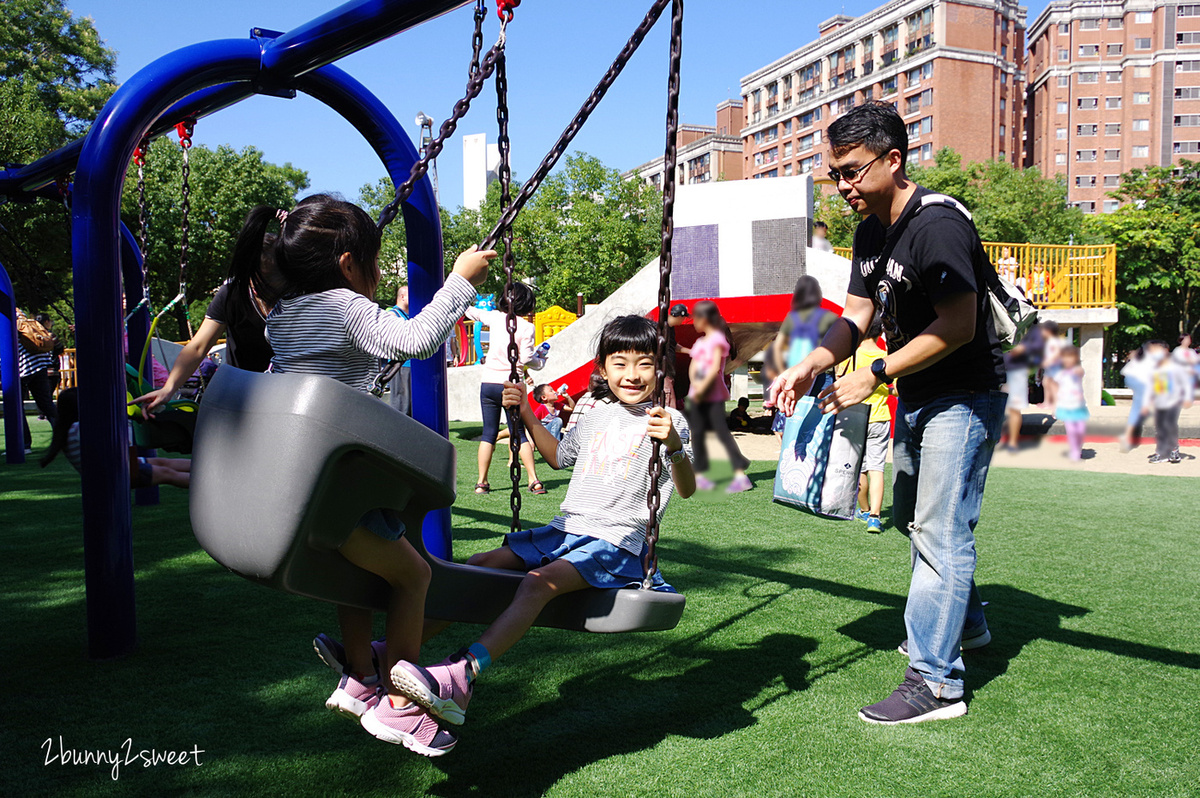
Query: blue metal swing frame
[196, 81]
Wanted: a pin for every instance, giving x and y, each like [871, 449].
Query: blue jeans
[554, 425]
[940, 461]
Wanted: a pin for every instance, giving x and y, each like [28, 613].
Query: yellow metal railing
[1055, 275]
[551, 322]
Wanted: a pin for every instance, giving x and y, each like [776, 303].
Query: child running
[597, 539]
[1072, 410]
[327, 323]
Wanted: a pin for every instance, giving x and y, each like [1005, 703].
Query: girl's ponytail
[245, 269]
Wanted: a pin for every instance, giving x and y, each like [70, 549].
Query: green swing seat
[172, 428]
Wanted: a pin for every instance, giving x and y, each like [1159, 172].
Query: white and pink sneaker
[411, 727]
[351, 696]
[443, 689]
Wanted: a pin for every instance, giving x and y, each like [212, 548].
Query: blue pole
[136, 331]
[423, 236]
[10, 374]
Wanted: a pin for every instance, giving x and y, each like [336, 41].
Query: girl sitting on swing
[597, 539]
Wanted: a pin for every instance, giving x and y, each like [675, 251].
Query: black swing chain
[564, 140]
[510, 320]
[653, 497]
[185, 129]
[477, 76]
[139, 158]
[474, 86]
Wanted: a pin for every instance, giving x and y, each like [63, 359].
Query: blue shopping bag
[820, 456]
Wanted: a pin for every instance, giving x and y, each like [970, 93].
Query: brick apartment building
[1112, 87]
[953, 68]
[705, 152]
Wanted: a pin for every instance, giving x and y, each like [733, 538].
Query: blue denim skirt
[599, 562]
[384, 523]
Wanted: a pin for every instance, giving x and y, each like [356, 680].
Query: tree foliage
[1157, 233]
[225, 183]
[585, 231]
[56, 75]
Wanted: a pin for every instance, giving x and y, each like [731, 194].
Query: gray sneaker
[976, 638]
[912, 702]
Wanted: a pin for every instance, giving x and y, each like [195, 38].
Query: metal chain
[421, 167]
[139, 158]
[185, 130]
[510, 318]
[477, 39]
[564, 140]
[653, 497]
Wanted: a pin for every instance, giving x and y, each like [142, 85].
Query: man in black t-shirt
[918, 264]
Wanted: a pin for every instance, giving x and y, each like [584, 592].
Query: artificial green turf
[1090, 687]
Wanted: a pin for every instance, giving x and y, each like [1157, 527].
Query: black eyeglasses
[851, 172]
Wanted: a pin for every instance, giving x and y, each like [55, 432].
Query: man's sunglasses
[851, 172]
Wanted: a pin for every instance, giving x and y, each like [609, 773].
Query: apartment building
[1113, 86]
[954, 69]
[705, 152]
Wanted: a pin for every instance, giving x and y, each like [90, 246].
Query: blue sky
[557, 51]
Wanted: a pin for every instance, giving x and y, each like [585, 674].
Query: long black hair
[519, 300]
[708, 311]
[622, 334]
[68, 414]
[307, 250]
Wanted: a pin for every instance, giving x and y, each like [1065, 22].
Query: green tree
[837, 216]
[56, 75]
[225, 183]
[1157, 233]
[1009, 204]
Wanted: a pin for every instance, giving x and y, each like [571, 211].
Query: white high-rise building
[481, 164]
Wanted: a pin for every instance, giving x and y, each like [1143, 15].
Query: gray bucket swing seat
[284, 465]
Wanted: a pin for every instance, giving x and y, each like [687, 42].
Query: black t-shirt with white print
[932, 260]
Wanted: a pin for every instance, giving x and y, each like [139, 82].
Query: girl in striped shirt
[598, 536]
[327, 322]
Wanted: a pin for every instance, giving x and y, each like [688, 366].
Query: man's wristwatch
[879, 369]
[676, 457]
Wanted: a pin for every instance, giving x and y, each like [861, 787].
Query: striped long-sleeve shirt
[343, 334]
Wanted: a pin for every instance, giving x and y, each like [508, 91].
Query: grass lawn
[1090, 687]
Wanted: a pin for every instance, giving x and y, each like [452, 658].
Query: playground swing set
[296, 458]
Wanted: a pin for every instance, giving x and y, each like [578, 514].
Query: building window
[1003, 78]
[787, 170]
[1187, 120]
[1113, 76]
[1087, 103]
[787, 128]
[912, 104]
[1141, 71]
[1112, 181]
[805, 143]
[914, 154]
[1085, 130]
[1061, 106]
[1187, 66]
[1003, 132]
[1085, 181]
[1141, 124]
[926, 152]
[1181, 147]
[806, 166]
[1060, 159]
[1089, 50]
[1064, 81]
[1141, 151]
[1087, 207]
[1114, 49]
[1139, 98]
[1190, 37]
[1110, 205]
[889, 86]
[1085, 155]
[1141, 43]
[1115, 102]
[1064, 54]
[1004, 51]
[806, 120]
[1064, 28]
[1187, 11]
[1089, 77]
[913, 129]
[1061, 134]
[927, 97]
[1004, 24]
[1186, 93]
[1112, 129]
[1143, 17]
[1003, 104]
[1115, 23]
[1112, 155]
[1089, 24]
